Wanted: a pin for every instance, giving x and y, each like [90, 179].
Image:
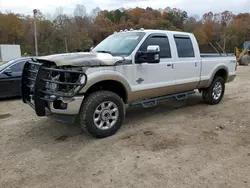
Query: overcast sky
[191, 6]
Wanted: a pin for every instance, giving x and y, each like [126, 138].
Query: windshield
[120, 44]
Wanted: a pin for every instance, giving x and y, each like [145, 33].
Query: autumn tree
[175, 16]
[104, 25]
[59, 32]
[11, 28]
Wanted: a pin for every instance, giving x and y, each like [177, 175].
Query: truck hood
[87, 59]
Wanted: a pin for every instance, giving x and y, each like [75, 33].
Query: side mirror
[154, 48]
[152, 55]
[7, 71]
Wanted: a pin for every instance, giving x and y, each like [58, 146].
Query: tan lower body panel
[231, 78]
[162, 91]
[206, 83]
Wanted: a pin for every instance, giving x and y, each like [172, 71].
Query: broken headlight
[53, 86]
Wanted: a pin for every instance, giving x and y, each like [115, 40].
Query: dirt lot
[177, 144]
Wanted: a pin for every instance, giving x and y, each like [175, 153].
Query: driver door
[153, 80]
[10, 83]
[5, 87]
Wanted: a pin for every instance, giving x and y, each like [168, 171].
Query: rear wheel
[102, 114]
[215, 92]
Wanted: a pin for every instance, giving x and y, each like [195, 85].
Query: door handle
[169, 65]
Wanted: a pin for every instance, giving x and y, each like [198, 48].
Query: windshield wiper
[103, 51]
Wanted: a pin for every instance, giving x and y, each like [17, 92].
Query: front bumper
[45, 102]
[67, 115]
[72, 106]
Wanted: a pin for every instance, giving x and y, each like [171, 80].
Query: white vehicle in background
[9, 52]
[127, 68]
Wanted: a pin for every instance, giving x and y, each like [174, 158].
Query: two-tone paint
[170, 76]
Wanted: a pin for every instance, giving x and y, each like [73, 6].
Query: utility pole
[66, 45]
[35, 36]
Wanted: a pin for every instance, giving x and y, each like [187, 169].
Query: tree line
[80, 31]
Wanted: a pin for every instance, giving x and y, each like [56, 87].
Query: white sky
[191, 6]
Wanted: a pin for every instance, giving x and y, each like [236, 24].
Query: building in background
[8, 52]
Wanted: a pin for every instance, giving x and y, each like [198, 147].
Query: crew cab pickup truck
[127, 68]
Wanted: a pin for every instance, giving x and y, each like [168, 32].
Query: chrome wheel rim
[106, 115]
[217, 90]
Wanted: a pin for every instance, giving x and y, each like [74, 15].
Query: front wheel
[102, 114]
[215, 92]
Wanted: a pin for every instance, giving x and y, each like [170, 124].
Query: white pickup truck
[127, 68]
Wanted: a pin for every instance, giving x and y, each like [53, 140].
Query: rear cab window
[184, 46]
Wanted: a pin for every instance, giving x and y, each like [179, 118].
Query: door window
[161, 41]
[184, 47]
[18, 67]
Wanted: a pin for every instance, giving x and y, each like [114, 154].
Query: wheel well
[222, 73]
[109, 85]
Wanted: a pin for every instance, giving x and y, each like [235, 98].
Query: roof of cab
[151, 31]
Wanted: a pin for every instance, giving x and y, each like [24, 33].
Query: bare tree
[80, 11]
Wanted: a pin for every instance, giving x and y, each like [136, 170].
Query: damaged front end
[52, 90]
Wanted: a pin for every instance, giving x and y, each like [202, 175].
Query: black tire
[89, 106]
[207, 94]
[245, 60]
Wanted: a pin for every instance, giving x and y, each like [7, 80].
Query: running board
[154, 101]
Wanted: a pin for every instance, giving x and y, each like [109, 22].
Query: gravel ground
[176, 144]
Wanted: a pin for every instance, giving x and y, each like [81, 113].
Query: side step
[146, 103]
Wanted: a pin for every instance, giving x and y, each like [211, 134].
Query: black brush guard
[33, 85]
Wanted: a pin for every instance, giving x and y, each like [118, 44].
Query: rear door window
[184, 47]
